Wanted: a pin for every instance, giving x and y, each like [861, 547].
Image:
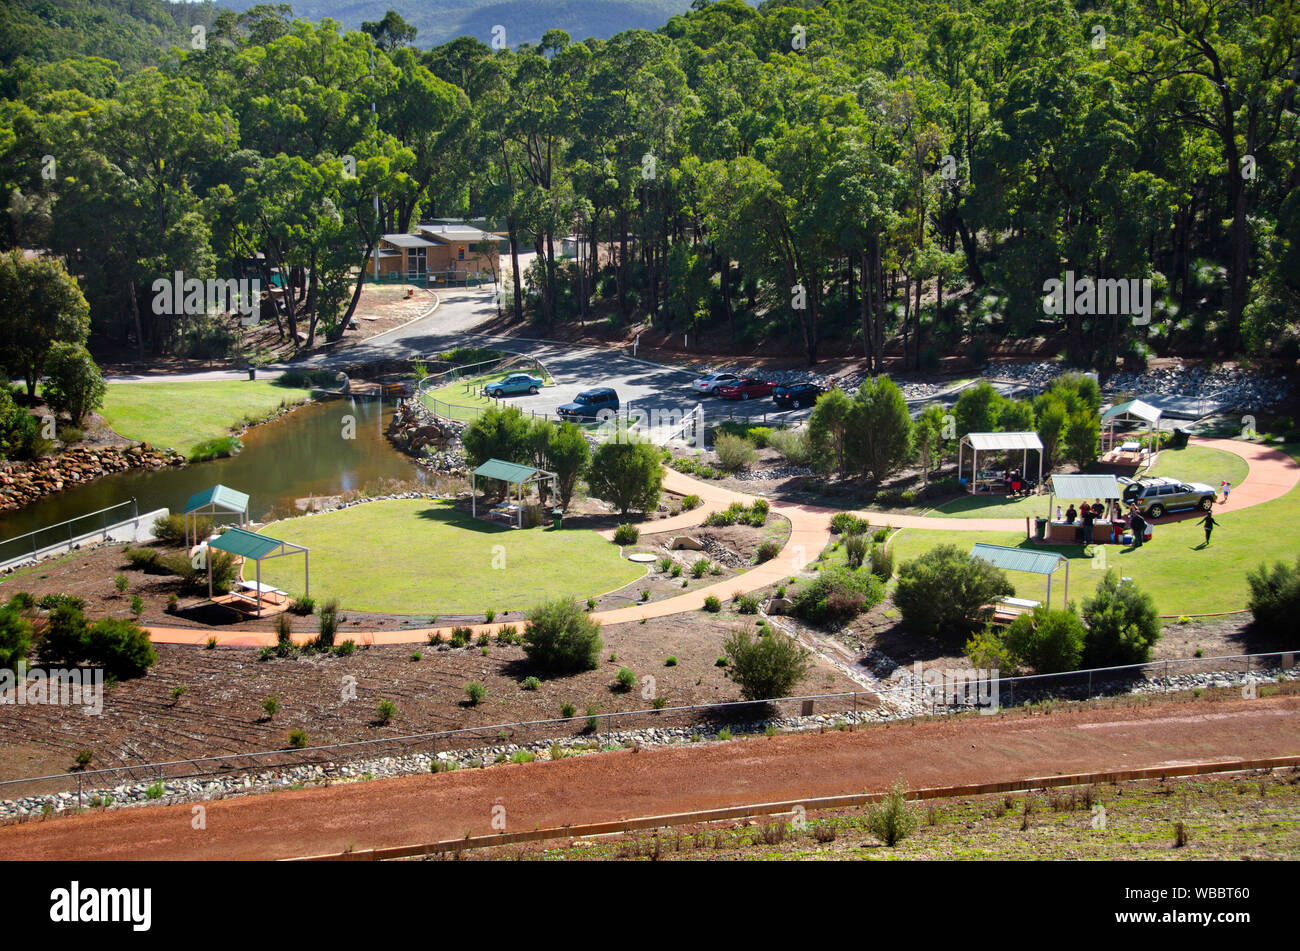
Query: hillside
[130, 32]
[525, 20]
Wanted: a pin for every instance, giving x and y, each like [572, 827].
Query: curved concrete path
[1271, 475]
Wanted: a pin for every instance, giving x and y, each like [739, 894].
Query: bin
[557, 518]
[1042, 528]
[252, 373]
[1179, 439]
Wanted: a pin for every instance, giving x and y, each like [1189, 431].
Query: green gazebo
[259, 548]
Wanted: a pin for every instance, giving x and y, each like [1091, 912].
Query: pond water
[301, 454]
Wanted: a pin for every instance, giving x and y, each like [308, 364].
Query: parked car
[747, 389]
[514, 383]
[713, 382]
[797, 394]
[589, 403]
[1157, 495]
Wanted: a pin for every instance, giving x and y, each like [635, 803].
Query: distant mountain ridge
[524, 20]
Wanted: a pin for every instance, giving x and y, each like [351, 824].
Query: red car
[748, 388]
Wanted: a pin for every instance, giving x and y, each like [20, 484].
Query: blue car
[514, 383]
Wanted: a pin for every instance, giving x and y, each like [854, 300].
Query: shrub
[855, 550]
[143, 559]
[1047, 640]
[712, 604]
[20, 433]
[675, 571]
[567, 711]
[625, 679]
[734, 452]
[837, 595]
[121, 583]
[560, 638]
[137, 605]
[846, 523]
[987, 651]
[890, 820]
[626, 535]
[52, 601]
[346, 649]
[329, 623]
[627, 475]
[758, 513]
[747, 604]
[302, 606]
[792, 444]
[475, 691]
[73, 382]
[1275, 595]
[1123, 624]
[221, 447]
[942, 593]
[882, 562]
[297, 739]
[689, 502]
[283, 631]
[461, 636]
[766, 666]
[15, 636]
[700, 568]
[385, 710]
[531, 683]
[766, 552]
[271, 706]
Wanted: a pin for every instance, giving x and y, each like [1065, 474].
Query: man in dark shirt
[1087, 516]
[1139, 526]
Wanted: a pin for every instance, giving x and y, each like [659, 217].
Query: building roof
[1143, 411]
[444, 233]
[218, 497]
[407, 241]
[986, 441]
[1086, 486]
[1018, 559]
[506, 471]
[247, 544]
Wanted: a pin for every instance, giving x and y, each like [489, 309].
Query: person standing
[1226, 486]
[1087, 516]
[1071, 514]
[1209, 524]
[1139, 526]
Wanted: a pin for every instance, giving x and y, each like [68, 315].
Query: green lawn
[414, 556]
[1192, 464]
[1183, 576]
[182, 415]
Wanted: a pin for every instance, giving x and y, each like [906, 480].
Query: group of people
[1087, 515]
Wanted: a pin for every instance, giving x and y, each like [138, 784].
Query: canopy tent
[511, 473]
[1020, 559]
[258, 548]
[1129, 412]
[999, 442]
[218, 500]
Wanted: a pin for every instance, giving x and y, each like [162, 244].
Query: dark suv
[797, 394]
[1158, 495]
[589, 403]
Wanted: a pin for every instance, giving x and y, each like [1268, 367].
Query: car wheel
[744, 396]
[1207, 503]
[532, 390]
[1156, 510]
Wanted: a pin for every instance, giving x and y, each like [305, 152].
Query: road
[665, 780]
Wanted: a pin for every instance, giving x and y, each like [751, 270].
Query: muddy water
[304, 453]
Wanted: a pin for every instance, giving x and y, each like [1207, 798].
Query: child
[1059, 516]
[1226, 486]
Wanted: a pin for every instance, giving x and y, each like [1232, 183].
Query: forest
[853, 173]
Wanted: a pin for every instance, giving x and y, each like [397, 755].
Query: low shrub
[626, 535]
[302, 606]
[220, 448]
[890, 820]
[171, 529]
[882, 562]
[734, 452]
[846, 523]
[144, 559]
[385, 710]
[560, 638]
[531, 683]
[838, 595]
[793, 444]
[689, 502]
[700, 568]
[766, 552]
[329, 623]
[855, 550]
[712, 604]
[1275, 595]
[297, 739]
[475, 692]
[765, 666]
[625, 679]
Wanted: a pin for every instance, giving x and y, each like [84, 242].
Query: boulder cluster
[434, 442]
[23, 482]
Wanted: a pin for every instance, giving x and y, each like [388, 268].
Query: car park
[747, 389]
[792, 395]
[589, 404]
[710, 384]
[1154, 496]
[514, 383]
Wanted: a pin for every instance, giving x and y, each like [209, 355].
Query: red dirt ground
[623, 785]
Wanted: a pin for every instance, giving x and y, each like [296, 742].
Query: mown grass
[182, 415]
[413, 556]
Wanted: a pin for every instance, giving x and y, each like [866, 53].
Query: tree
[1081, 434]
[19, 430]
[568, 453]
[927, 436]
[121, 647]
[1047, 640]
[15, 636]
[978, 409]
[391, 32]
[561, 638]
[40, 305]
[943, 593]
[497, 433]
[74, 384]
[1275, 595]
[1052, 415]
[827, 427]
[1123, 624]
[879, 437]
[626, 474]
[767, 666]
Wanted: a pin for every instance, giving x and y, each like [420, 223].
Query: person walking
[1209, 524]
[1226, 486]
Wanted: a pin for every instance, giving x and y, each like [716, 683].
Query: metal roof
[219, 496]
[506, 471]
[407, 241]
[1086, 486]
[985, 441]
[452, 232]
[1018, 559]
[237, 541]
[1143, 411]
